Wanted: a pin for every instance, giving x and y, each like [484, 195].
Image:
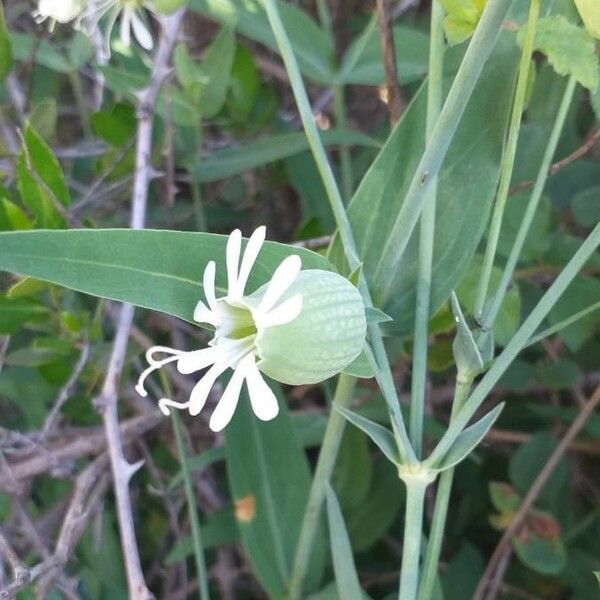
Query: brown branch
[395, 100]
[106, 402]
[86, 443]
[494, 570]
[557, 166]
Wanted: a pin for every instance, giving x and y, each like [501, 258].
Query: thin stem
[325, 464]
[413, 528]
[426, 237]
[517, 343]
[508, 160]
[440, 511]
[491, 311]
[201, 572]
[81, 103]
[477, 53]
[339, 108]
[564, 323]
[378, 357]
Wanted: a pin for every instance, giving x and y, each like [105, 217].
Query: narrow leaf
[346, 578]
[468, 439]
[160, 270]
[380, 435]
[6, 57]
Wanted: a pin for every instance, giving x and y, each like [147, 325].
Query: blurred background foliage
[229, 151]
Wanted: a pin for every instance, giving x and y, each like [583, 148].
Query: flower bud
[61, 11]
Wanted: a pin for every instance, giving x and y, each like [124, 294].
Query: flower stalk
[508, 161]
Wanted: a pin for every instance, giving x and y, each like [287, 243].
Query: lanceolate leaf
[380, 435]
[344, 568]
[232, 161]
[269, 479]
[160, 270]
[5, 48]
[312, 46]
[468, 440]
[465, 192]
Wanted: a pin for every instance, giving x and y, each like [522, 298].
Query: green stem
[413, 531]
[477, 53]
[517, 343]
[378, 357]
[80, 101]
[325, 464]
[339, 107]
[508, 160]
[426, 237]
[440, 511]
[196, 186]
[491, 311]
[564, 323]
[201, 572]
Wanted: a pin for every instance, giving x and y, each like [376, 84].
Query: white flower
[132, 19]
[240, 322]
[61, 11]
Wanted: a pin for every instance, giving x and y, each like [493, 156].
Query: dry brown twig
[106, 402]
[498, 562]
[395, 100]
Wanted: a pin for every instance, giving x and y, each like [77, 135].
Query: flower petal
[141, 32]
[203, 314]
[250, 255]
[165, 403]
[208, 280]
[125, 26]
[263, 400]
[229, 400]
[194, 361]
[234, 247]
[286, 312]
[202, 388]
[284, 276]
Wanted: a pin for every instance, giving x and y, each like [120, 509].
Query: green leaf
[269, 479]
[42, 160]
[504, 498]
[589, 10]
[160, 270]
[569, 49]
[362, 63]
[468, 439]
[544, 555]
[526, 464]
[578, 297]
[16, 312]
[216, 66]
[344, 568]
[351, 477]
[27, 48]
[6, 57]
[369, 521]
[232, 161]
[12, 217]
[312, 46]
[360, 367]
[465, 192]
[381, 436]
[115, 125]
[461, 19]
[585, 206]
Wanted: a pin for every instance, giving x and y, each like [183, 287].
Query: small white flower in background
[58, 11]
[132, 13]
[300, 327]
